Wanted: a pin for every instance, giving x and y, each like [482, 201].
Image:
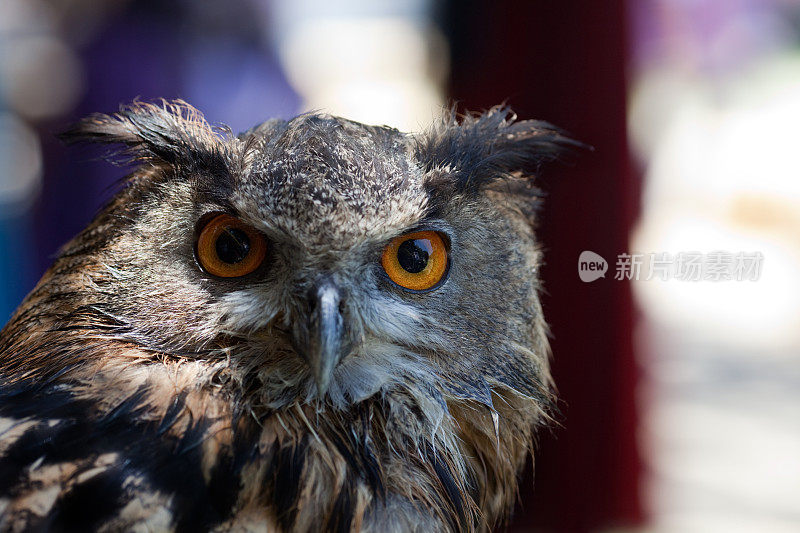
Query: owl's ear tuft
[477, 150]
[170, 132]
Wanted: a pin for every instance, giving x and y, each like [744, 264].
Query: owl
[316, 325]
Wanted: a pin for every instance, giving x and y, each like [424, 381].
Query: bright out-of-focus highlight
[380, 64]
[714, 109]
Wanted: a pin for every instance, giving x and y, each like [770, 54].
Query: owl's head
[319, 259]
[346, 316]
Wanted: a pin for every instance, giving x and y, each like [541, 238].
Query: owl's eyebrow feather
[173, 137]
[467, 154]
[172, 133]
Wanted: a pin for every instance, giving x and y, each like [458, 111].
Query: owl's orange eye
[416, 261]
[229, 248]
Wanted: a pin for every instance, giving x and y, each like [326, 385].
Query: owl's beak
[322, 341]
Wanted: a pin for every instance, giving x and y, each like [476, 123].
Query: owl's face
[323, 260]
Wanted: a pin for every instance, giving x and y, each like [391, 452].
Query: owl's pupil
[413, 255]
[232, 246]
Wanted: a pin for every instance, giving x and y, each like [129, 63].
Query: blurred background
[680, 399]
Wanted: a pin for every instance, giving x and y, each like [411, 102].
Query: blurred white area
[376, 62]
[20, 165]
[721, 434]
[41, 76]
[714, 122]
[724, 174]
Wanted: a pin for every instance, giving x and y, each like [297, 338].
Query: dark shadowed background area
[680, 393]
